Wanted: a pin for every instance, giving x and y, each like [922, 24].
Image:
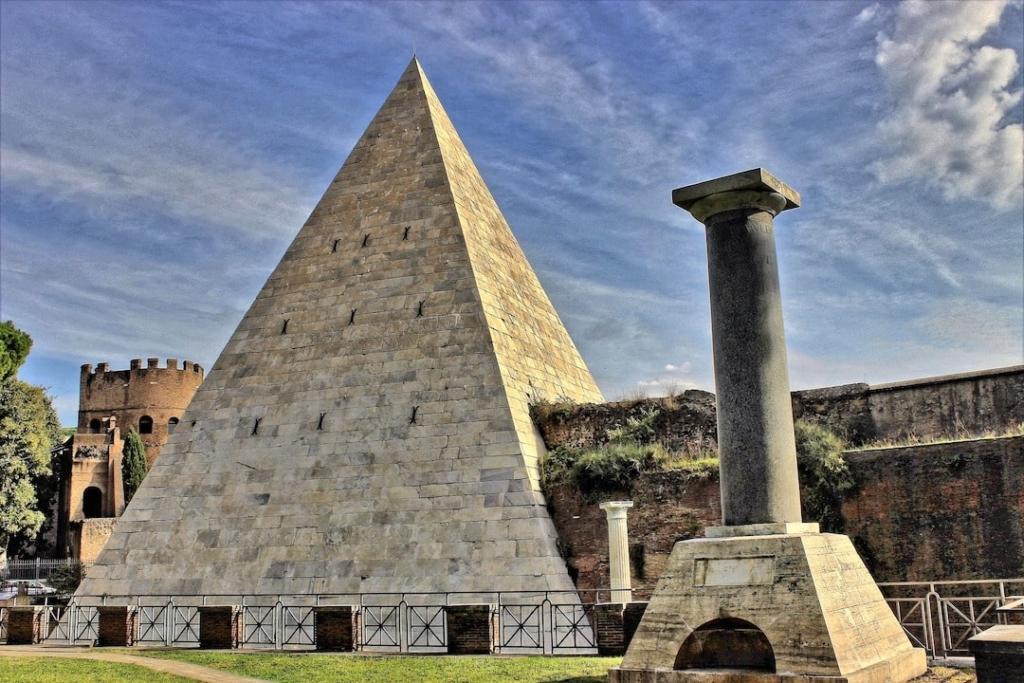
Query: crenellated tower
[148, 399]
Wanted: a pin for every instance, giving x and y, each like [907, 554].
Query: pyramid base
[776, 608]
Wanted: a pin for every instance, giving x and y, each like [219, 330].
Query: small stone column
[618, 550]
[755, 416]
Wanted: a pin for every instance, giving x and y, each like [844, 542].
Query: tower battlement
[146, 397]
[152, 364]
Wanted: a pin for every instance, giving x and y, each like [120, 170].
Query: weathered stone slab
[999, 654]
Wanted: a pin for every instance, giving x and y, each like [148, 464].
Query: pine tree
[133, 464]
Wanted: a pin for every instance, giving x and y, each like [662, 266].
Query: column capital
[616, 508]
[755, 189]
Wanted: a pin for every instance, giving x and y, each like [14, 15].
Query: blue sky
[157, 158]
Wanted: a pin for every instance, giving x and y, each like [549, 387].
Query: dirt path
[183, 669]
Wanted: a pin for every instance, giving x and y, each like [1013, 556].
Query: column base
[762, 529]
[778, 608]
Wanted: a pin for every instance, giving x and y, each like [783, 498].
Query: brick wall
[969, 403]
[117, 624]
[941, 511]
[470, 629]
[24, 625]
[682, 420]
[220, 626]
[334, 628]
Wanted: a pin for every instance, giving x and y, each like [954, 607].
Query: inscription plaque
[734, 571]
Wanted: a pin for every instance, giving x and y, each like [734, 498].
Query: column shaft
[755, 420]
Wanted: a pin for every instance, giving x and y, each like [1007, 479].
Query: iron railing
[941, 616]
[525, 622]
[37, 569]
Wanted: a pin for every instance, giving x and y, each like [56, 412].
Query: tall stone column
[755, 418]
[618, 550]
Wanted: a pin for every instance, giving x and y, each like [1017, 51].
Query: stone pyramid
[367, 426]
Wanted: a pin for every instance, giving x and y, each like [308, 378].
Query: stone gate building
[150, 400]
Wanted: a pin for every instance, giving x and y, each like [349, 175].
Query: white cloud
[866, 14]
[948, 129]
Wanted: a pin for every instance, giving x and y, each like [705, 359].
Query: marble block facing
[809, 595]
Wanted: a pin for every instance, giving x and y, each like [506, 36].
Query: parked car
[31, 587]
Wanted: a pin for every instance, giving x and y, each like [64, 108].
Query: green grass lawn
[57, 670]
[302, 668]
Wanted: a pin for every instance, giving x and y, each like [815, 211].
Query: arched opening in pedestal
[726, 644]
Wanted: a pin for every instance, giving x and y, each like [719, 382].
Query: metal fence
[941, 616]
[29, 570]
[523, 622]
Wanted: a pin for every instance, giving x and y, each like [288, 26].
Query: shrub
[613, 467]
[65, 579]
[824, 473]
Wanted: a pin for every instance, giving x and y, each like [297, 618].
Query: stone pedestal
[220, 627]
[25, 625]
[334, 628]
[619, 577]
[999, 654]
[782, 607]
[117, 625]
[470, 629]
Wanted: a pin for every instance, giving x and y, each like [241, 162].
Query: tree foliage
[133, 464]
[29, 431]
[14, 348]
[65, 579]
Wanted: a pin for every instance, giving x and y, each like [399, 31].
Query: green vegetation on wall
[633, 450]
[824, 475]
[630, 452]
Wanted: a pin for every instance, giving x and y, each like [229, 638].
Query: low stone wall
[931, 512]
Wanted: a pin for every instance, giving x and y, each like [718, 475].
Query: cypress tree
[133, 464]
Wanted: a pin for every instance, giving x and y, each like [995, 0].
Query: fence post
[37, 569]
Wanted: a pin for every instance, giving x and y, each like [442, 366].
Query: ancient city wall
[941, 511]
[952, 405]
[931, 408]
